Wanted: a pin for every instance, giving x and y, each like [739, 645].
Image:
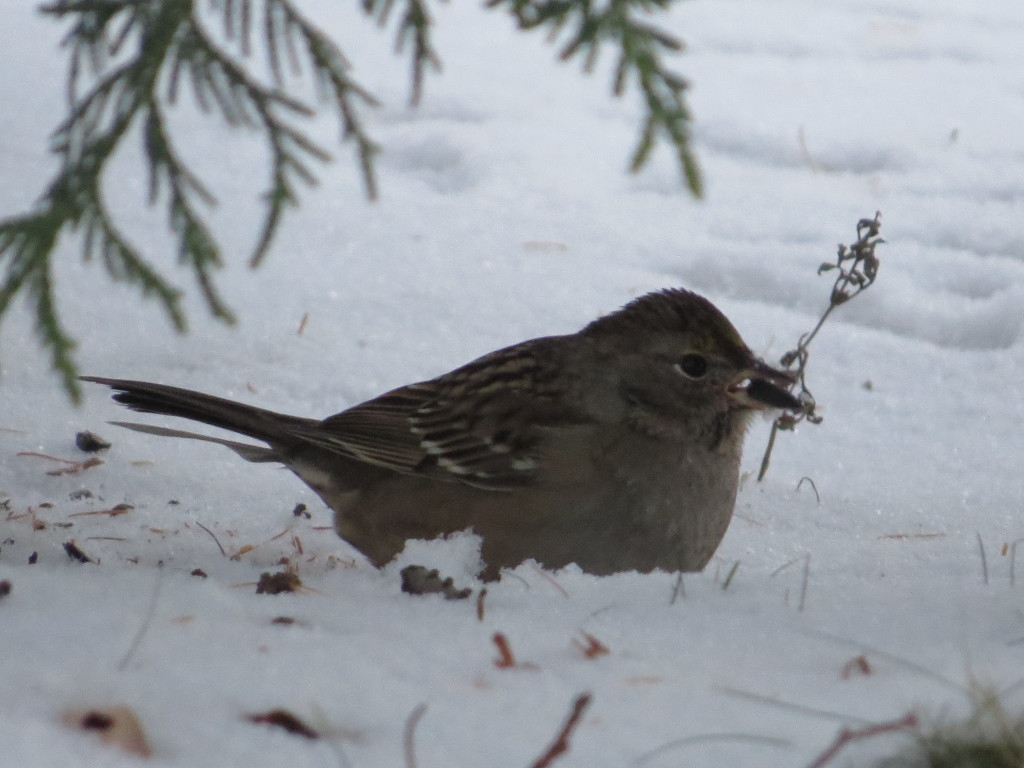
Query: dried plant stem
[1013, 560]
[561, 743]
[214, 537]
[984, 559]
[858, 268]
[846, 735]
[146, 621]
[409, 735]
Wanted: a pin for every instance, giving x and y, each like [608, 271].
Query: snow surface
[506, 214]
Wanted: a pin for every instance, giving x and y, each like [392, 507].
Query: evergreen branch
[85, 141]
[127, 88]
[241, 100]
[218, 82]
[237, 27]
[23, 239]
[414, 27]
[330, 69]
[196, 245]
[27, 241]
[124, 262]
[134, 54]
[641, 48]
[50, 330]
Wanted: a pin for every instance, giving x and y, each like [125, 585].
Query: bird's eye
[693, 365]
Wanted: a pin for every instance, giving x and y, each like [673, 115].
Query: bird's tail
[274, 429]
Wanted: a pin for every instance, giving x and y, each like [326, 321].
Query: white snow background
[506, 213]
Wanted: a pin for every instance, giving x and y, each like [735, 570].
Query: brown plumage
[616, 448]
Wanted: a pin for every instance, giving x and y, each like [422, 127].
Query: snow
[506, 213]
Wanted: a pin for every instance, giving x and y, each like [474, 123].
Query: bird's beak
[762, 386]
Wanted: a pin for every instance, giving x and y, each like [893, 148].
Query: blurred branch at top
[131, 61]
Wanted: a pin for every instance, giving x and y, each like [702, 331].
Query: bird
[616, 448]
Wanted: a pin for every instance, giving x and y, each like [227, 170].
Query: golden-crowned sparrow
[616, 448]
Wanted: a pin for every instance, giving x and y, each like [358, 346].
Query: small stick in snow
[791, 706]
[114, 511]
[1013, 559]
[214, 537]
[146, 621]
[984, 560]
[548, 577]
[590, 646]
[561, 743]
[409, 734]
[803, 581]
[729, 576]
[69, 468]
[481, 595]
[846, 735]
[813, 487]
[678, 590]
[506, 659]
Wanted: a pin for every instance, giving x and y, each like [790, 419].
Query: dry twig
[146, 620]
[214, 537]
[590, 646]
[561, 743]
[857, 268]
[69, 468]
[846, 735]
[409, 734]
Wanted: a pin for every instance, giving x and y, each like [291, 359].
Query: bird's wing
[482, 424]
[379, 431]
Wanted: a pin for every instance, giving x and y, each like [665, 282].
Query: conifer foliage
[131, 61]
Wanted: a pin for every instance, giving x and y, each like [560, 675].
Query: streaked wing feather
[477, 424]
[378, 431]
